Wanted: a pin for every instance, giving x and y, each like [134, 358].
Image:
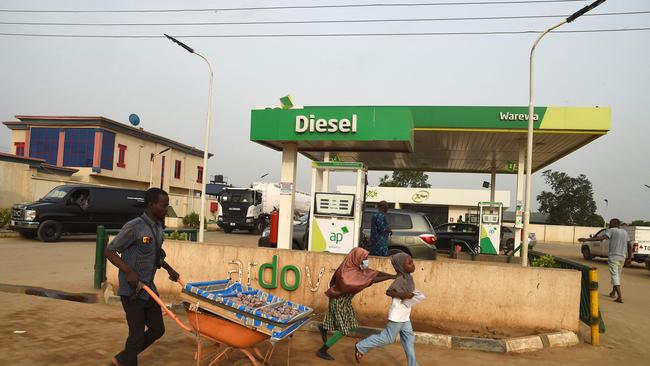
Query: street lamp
[606, 209]
[153, 156]
[207, 136]
[531, 108]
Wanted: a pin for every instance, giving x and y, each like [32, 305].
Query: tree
[405, 178]
[640, 223]
[571, 202]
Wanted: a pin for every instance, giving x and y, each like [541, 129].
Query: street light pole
[207, 137]
[531, 109]
[606, 209]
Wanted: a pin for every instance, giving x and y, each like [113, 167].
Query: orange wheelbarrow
[220, 331]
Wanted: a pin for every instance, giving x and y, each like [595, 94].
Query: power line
[273, 22]
[287, 7]
[324, 34]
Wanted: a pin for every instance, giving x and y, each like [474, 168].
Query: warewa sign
[475, 117]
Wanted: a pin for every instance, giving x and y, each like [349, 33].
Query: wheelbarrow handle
[164, 308]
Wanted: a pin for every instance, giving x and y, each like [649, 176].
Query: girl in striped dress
[352, 276]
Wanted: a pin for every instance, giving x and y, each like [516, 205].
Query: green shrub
[177, 236]
[544, 261]
[191, 220]
[5, 215]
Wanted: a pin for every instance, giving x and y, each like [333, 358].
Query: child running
[352, 276]
[399, 314]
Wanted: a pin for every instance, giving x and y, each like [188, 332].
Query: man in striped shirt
[139, 245]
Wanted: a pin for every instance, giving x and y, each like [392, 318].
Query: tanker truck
[249, 208]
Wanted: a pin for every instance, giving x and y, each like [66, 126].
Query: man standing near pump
[620, 254]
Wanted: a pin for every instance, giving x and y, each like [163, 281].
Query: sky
[167, 87]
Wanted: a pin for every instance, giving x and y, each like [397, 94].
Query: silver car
[508, 239]
[412, 233]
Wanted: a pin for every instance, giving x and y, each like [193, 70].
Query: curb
[52, 294]
[9, 234]
[533, 343]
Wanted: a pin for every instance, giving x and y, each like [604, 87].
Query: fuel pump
[335, 222]
[489, 227]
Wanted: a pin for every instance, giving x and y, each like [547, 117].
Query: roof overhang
[474, 139]
[100, 122]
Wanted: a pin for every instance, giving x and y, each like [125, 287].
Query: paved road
[68, 265]
[627, 324]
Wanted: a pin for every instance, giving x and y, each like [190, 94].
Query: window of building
[199, 175]
[79, 147]
[44, 144]
[177, 169]
[121, 155]
[108, 150]
[20, 148]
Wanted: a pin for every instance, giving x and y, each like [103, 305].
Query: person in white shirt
[620, 254]
[402, 291]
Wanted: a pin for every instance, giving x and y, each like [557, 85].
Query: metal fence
[102, 241]
[585, 286]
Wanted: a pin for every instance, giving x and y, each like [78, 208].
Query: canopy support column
[287, 194]
[493, 181]
[326, 175]
[519, 197]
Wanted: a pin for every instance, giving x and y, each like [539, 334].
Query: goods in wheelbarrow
[248, 306]
[221, 332]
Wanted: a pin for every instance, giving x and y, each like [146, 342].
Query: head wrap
[404, 281]
[349, 278]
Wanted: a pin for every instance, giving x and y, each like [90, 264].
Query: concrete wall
[15, 184]
[562, 234]
[460, 295]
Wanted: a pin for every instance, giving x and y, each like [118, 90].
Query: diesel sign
[321, 125]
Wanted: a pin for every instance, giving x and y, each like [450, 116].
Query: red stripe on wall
[97, 152]
[59, 154]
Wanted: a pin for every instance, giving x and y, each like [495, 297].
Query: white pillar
[326, 175]
[519, 201]
[493, 181]
[287, 177]
[398, 206]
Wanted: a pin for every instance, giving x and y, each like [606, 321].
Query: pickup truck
[639, 236]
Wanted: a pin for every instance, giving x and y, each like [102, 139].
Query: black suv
[76, 209]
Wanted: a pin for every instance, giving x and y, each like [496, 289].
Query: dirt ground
[60, 332]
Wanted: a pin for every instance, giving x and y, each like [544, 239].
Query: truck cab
[639, 240]
[241, 209]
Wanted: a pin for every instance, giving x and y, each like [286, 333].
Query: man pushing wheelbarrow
[139, 243]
